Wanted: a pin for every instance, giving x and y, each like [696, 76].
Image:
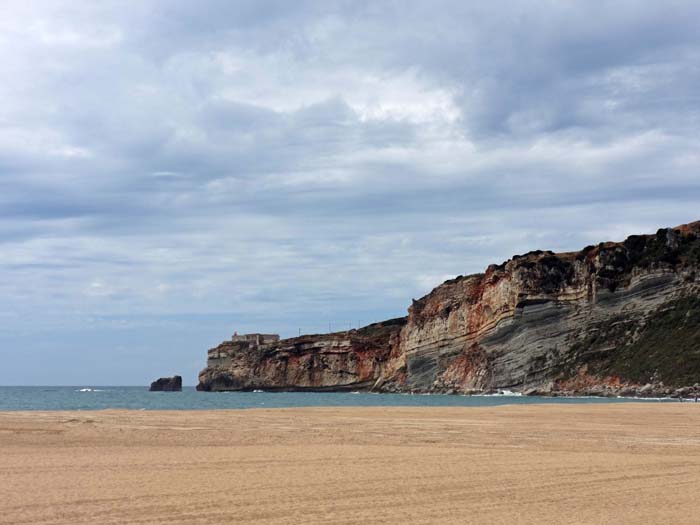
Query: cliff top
[615, 259]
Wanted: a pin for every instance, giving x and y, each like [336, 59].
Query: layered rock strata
[357, 359]
[615, 318]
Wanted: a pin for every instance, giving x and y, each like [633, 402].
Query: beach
[612, 463]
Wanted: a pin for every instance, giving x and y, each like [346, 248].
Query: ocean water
[139, 398]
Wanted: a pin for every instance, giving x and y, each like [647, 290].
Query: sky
[174, 171]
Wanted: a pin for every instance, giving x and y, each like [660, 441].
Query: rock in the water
[167, 384]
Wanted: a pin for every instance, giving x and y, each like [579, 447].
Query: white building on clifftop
[257, 339]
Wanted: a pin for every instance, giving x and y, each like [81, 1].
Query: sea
[139, 398]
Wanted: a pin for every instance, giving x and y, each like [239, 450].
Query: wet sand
[616, 463]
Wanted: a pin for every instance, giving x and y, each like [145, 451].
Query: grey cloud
[182, 168]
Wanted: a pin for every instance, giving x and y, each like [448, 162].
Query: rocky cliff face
[613, 318]
[352, 360]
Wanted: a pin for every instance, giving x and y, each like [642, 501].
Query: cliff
[352, 360]
[615, 318]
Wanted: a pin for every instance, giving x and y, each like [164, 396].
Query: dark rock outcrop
[618, 318]
[167, 384]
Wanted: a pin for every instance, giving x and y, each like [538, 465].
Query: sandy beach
[613, 463]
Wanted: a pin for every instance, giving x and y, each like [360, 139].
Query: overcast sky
[174, 171]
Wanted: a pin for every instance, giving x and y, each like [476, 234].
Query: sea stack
[167, 384]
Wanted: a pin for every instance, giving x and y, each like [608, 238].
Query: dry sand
[615, 463]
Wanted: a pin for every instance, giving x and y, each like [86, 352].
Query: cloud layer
[173, 171]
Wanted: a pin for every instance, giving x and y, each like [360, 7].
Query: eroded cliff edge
[615, 318]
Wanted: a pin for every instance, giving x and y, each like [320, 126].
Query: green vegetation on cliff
[666, 348]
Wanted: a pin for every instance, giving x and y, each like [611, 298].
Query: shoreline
[37, 399]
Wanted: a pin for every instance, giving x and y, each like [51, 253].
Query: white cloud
[286, 165]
